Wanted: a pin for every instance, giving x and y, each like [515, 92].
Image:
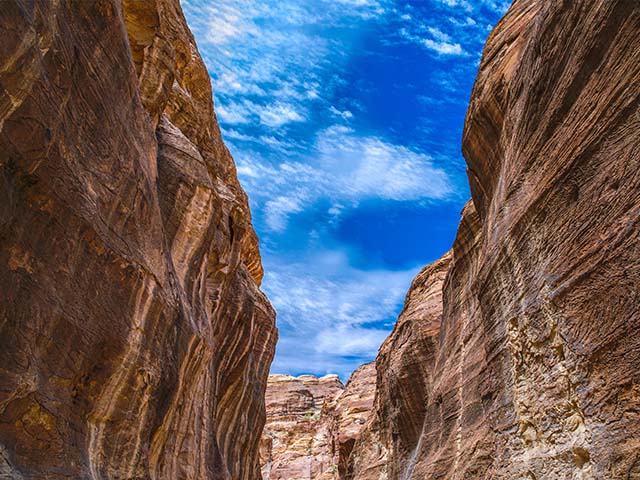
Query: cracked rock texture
[313, 423]
[134, 340]
[534, 371]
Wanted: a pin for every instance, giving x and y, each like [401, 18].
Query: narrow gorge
[135, 342]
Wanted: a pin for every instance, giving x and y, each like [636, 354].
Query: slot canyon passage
[135, 342]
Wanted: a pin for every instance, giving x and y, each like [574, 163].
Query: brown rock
[134, 341]
[313, 423]
[404, 365]
[350, 413]
[296, 442]
[535, 371]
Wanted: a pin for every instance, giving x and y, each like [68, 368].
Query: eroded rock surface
[313, 423]
[134, 340]
[535, 371]
[404, 379]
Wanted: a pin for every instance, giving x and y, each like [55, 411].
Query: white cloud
[370, 167]
[464, 4]
[444, 48]
[345, 311]
[498, 6]
[344, 168]
[279, 209]
[236, 135]
[235, 113]
[439, 35]
[271, 53]
[345, 340]
[440, 42]
[344, 114]
[278, 114]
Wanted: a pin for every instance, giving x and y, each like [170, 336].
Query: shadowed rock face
[313, 423]
[134, 340]
[535, 371]
[404, 379]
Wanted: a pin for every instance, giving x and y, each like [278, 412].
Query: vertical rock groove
[134, 339]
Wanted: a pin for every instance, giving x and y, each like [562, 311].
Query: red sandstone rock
[535, 371]
[313, 423]
[134, 341]
[404, 380]
[350, 412]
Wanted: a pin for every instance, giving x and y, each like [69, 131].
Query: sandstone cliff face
[535, 372]
[134, 340]
[313, 423]
[404, 379]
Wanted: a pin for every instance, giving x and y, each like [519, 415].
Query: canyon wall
[313, 423]
[534, 372]
[134, 339]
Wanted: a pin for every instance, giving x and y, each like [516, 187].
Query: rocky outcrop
[350, 412]
[535, 370]
[313, 423]
[134, 340]
[296, 442]
[404, 380]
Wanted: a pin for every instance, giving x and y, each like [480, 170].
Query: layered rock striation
[313, 423]
[404, 379]
[534, 370]
[134, 340]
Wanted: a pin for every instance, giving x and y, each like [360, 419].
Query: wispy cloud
[344, 168]
[435, 40]
[278, 114]
[442, 47]
[497, 6]
[313, 147]
[274, 55]
[340, 306]
[464, 4]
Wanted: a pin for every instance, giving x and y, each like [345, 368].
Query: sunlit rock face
[313, 423]
[535, 370]
[134, 340]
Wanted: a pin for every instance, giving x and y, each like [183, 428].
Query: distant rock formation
[313, 423]
[134, 340]
[534, 372]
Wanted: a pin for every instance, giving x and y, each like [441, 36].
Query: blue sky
[345, 119]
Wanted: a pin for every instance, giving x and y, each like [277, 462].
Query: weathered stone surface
[535, 372]
[404, 380]
[134, 340]
[350, 412]
[313, 423]
[296, 442]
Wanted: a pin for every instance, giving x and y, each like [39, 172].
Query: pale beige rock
[312, 424]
